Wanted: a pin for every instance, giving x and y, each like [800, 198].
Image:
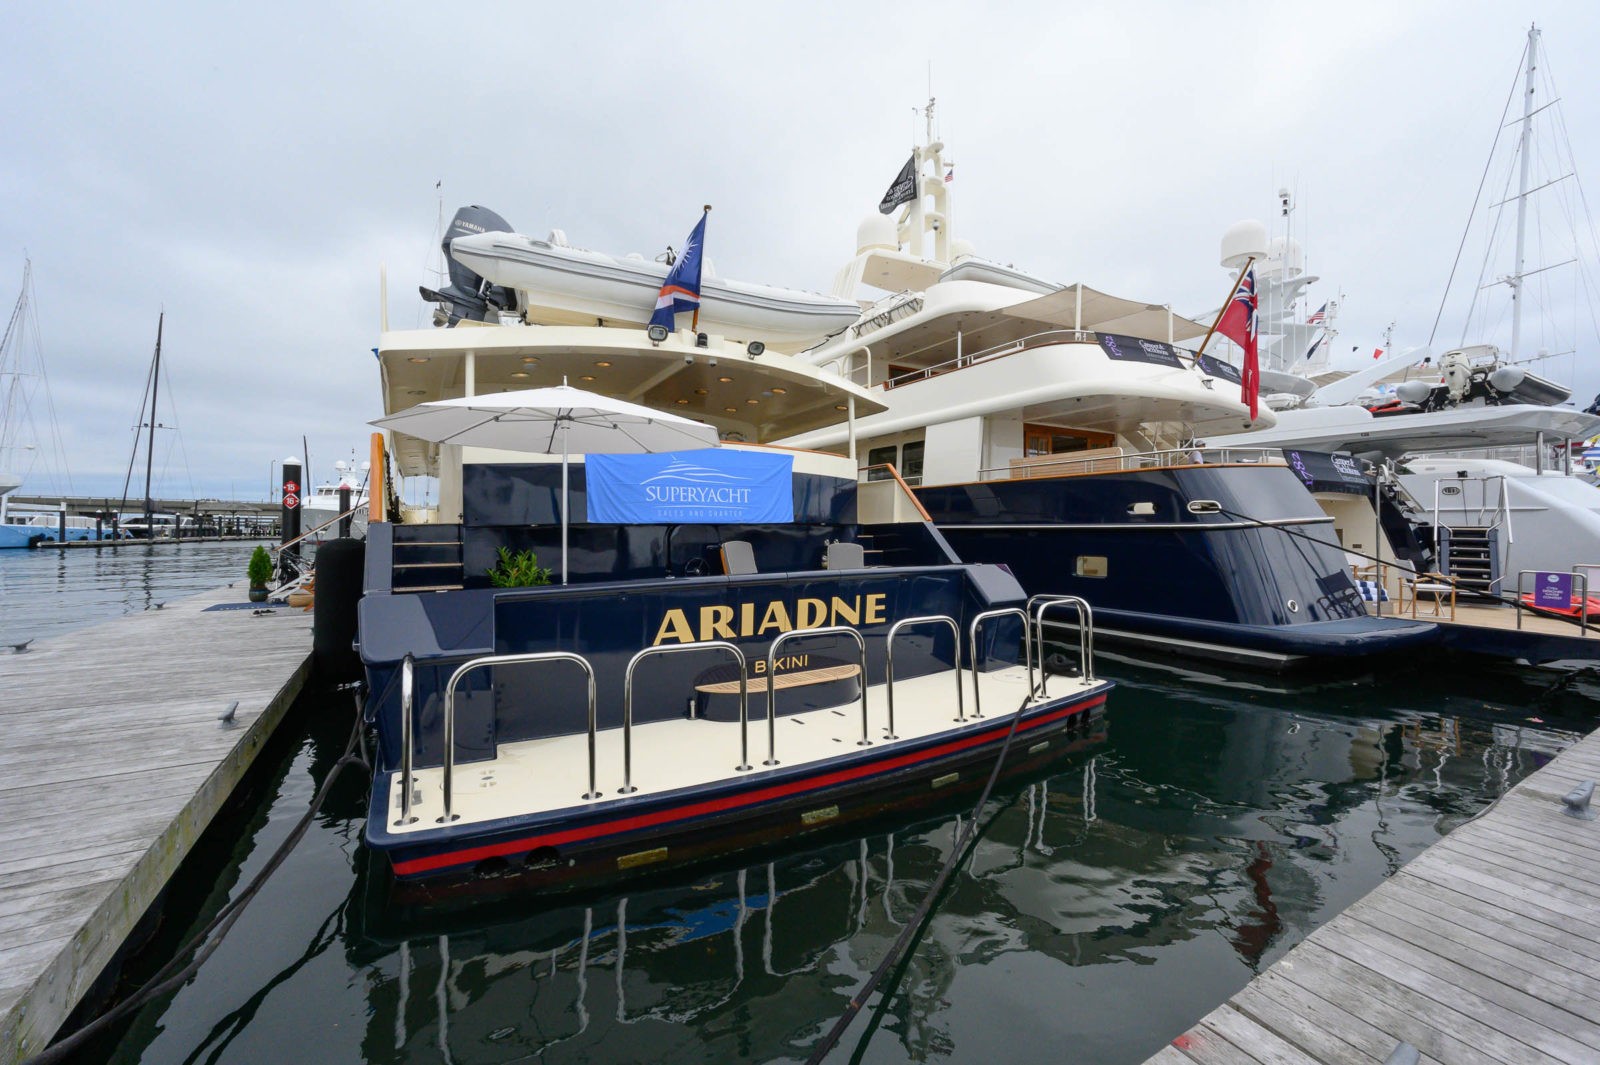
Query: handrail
[279, 548]
[1085, 633]
[895, 473]
[627, 704]
[484, 662]
[772, 686]
[1583, 595]
[888, 650]
[1010, 347]
[1140, 460]
[407, 687]
[972, 649]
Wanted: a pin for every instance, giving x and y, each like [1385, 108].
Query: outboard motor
[468, 295]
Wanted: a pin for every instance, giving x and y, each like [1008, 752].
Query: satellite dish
[1242, 242]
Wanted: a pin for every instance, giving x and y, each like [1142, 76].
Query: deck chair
[844, 555]
[738, 557]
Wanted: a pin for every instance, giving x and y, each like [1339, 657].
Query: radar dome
[1288, 255]
[961, 249]
[876, 231]
[1242, 242]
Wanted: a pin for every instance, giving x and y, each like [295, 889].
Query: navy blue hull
[1259, 571]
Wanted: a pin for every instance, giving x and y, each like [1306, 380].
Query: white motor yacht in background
[321, 507]
[1448, 429]
[1051, 428]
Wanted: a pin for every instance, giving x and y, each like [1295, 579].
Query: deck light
[657, 333]
[725, 380]
[701, 340]
[530, 360]
[519, 373]
[701, 391]
[603, 364]
[755, 348]
[586, 377]
[417, 358]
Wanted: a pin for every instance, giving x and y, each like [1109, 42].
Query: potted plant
[260, 572]
[521, 570]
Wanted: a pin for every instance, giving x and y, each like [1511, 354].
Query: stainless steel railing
[509, 660]
[1010, 347]
[972, 646]
[888, 651]
[1141, 460]
[1085, 633]
[772, 685]
[627, 703]
[407, 688]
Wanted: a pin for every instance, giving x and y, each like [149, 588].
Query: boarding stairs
[1469, 515]
[428, 558]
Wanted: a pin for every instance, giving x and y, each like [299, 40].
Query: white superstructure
[984, 368]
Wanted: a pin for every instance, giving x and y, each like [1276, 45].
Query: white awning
[1081, 307]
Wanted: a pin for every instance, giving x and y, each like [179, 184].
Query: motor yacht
[1054, 429]
[704, 676]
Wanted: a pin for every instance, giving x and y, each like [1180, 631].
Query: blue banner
[690, 487]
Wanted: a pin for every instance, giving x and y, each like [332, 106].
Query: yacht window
[911, 469]
[879, 457]
[1053, 440]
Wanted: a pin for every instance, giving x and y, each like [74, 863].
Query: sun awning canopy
[1081, 307]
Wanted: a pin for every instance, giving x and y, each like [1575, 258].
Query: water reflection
[1105, 907]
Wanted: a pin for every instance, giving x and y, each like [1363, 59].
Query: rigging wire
[1478, 196]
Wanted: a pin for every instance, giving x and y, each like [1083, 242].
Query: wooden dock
[113, 760]
[1484, 950]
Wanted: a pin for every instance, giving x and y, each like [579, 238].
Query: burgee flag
[903, 189]
[681, 290]
[1238, 324]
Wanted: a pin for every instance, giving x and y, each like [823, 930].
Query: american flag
[1319, 317]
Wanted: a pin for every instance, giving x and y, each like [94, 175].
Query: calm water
[47, 592]
[1107, 906]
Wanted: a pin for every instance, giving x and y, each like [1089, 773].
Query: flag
[1238, 324]
[949, 175]
[1319, 317]
[1315, 345]
[1377, 353]
[681, 290]
[903, 189]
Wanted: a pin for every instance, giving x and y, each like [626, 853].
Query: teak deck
[113, 760]
[1484, 949]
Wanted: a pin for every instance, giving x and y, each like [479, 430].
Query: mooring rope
[172, 974]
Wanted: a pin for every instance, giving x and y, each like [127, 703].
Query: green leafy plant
[521, 570]
[260, 568]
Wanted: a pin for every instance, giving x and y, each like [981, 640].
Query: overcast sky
[249, 169]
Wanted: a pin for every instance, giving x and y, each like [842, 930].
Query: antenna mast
[1515, 280]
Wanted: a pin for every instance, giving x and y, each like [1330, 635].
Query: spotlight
[701, 340]
[657, 333]
[755, 349]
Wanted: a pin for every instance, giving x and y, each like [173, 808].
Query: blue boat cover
[690, 487]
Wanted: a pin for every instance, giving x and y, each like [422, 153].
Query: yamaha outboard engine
[468, 295]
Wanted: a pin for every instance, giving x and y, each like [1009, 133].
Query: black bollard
[99, 527]
[291, 504]
[61, 521]
[344, 505]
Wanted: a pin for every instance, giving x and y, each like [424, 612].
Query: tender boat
[557, 283]
[1053, 429]
[702, 681]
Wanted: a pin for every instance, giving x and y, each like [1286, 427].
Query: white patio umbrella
[543, 420]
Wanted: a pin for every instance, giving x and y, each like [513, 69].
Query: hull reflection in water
[1110, 901]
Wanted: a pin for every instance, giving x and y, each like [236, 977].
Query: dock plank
[114, 763]
[1484, 949]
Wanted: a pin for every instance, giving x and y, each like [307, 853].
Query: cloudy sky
[249, 169]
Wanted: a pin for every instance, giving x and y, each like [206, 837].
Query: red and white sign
[290, 500]
[289, 487]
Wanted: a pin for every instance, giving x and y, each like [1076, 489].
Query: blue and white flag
[690, 487]
[681, 290]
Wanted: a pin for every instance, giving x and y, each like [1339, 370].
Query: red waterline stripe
[711, 806]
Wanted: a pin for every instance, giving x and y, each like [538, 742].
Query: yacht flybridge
[1054, 429]
[745, 643]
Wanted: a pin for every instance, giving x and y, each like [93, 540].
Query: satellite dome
[1242, 242]
[961, 249]
[876, 231]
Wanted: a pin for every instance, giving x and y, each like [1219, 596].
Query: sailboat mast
[1522, 191]
[150, 447]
